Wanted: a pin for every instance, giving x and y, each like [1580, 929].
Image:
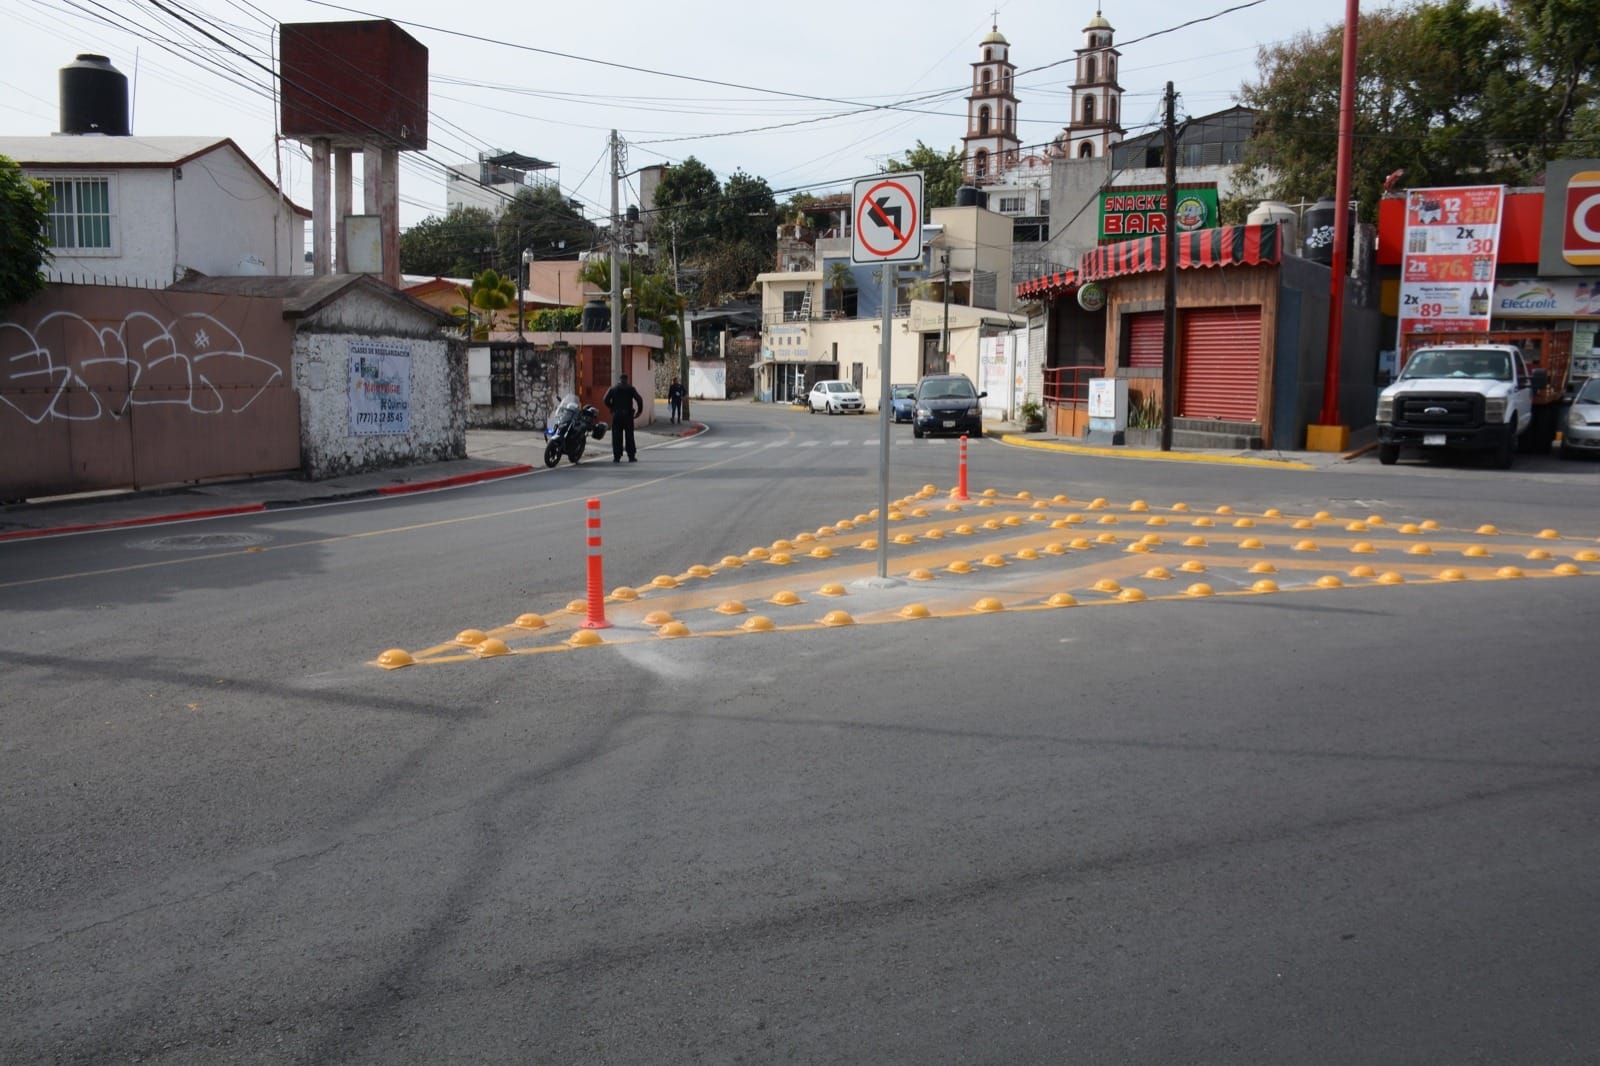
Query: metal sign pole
[884, 403]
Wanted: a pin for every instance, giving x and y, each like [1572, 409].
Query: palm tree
[491, 293]
[840, 279]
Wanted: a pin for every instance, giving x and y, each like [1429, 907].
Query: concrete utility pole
[683, 328]
[616, 261]
[1169, 318]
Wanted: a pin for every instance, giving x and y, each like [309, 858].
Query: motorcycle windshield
[566, 411]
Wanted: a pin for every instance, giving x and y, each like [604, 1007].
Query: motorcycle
[569, 430]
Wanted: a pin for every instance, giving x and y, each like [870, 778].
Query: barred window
[80, 214]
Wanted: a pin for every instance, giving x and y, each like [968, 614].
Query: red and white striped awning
[1045, 286]
[1223, 246]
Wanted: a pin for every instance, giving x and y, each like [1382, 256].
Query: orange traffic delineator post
[596, 601]
[961, 476]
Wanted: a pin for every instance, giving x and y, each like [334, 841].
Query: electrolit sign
[1569, 234]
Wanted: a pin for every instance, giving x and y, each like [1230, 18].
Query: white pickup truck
[1459, 397]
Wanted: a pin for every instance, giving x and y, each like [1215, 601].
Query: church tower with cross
[991, 146]
[1095, 124]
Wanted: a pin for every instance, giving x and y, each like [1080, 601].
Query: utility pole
[616, 262]
[1329, 435]
[683, 327]
[1169, 318]
[944, 257]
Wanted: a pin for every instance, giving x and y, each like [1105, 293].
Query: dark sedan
[947, 403]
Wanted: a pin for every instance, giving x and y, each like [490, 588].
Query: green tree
[542, 221]
[1449, 91]
[455, 246]
[491, 293]
[24, 233]
[687, 199]
[653, 295]
[941, 172]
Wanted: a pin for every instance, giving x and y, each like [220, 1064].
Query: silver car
[1580, 431]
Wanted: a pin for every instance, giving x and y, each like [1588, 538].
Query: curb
[453, 481]
[1139, 453]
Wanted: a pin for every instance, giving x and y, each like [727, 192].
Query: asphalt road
[1300, 824]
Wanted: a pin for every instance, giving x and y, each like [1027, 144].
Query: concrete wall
[224, 213]
[437, 378]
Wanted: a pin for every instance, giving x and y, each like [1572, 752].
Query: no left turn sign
[886, 214]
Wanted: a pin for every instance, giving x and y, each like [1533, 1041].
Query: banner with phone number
[1447, 265]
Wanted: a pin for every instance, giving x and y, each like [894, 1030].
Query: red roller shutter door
[1144, 339]
[1220, 364]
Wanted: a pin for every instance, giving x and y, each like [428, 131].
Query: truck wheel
[1388, 454]
[1506, 454]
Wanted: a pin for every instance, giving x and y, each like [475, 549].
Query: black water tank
[94, 97]
[596, 317]
[1318, 229]
[967, 196]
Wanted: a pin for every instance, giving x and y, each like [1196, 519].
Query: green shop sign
[1141, 210]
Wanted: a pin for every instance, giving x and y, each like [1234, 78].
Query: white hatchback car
[835, 397]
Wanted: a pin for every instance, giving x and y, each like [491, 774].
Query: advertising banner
[380, 388]
[1140, 210]
[1545, 298]
[1447, 267]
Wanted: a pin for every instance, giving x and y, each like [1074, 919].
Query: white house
[149, 210]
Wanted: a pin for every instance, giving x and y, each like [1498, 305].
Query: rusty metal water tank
[94, 97]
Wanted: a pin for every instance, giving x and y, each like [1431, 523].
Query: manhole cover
[196, 541]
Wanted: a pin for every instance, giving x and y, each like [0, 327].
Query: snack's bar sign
[1142, 210]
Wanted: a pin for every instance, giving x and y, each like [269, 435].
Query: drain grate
[202, 541]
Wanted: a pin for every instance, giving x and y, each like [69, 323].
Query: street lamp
[522, 283]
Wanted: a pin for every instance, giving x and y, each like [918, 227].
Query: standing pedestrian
[625, 404]
[675, 401]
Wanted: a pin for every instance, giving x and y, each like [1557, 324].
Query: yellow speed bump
[1199, 588]
[1011, 520]
[1055, 547]
[826, 531]
[1452, 574]
[784, 598]
[831, 589]
[757, 623]
[991, 492]
[784, 558]
[1568, 570]
[838, 618]
[672, 630]
[1024, 495]
[1243, 523]
[913, 610]
[1272, 512]
[1362, 547]
[903, 538]
[1538, 554]
[1081, 544]
[960, 566]
[1476, 551]
[1202, 523]
[1106, 538]
[988, 605]
[1508, 572]
[1322, 516]
[1265, 585]
[1158, 573]
[1549, 534]
[1303, 523]
[1028, 554]
[1389, 577]
[732, 562]
[1419, 549]
[1587, 556]
[921, 573]
[1306, 546]
[1107, 585]
[697, 570]
[1224, 509]
[577, 607]
[1131, 596]
[1250, 544]
[1138, 505]
[1410, 528]
[625, 594]
[1098, 504]
[1488, 531]
[757, 553]
[805, 538]
[1192, 566]
[469, 638]
[664, 581]
[933, 534]
[844, 525]
[1137, 546]
[781, 545]
[1263, 567]
[991, 523]
[963, 530]
[658, 618]
[1357, 527]
[490, 648]
[395, 658]
[994, 560]
[1060, 497]
[1363, 571]
[1062, 599]
[1329, 581]
[731, 607]
[1108, 520]
[868, 544]
[585, 638]
[530, 621]
[822, 551]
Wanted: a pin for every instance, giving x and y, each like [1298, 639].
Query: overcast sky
[678, 78]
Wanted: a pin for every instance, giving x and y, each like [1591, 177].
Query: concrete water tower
[354, 87]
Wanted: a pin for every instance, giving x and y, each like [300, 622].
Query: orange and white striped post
[960, 492]
[596, 600]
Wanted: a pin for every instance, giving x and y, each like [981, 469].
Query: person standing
[675, 401]
[625, 404]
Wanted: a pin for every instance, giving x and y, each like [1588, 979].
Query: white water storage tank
[1281, 213]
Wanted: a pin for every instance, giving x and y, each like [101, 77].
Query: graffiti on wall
[69, 368]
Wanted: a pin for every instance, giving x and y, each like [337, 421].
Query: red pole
[1341, 215]
[596, 618]
[961, 479]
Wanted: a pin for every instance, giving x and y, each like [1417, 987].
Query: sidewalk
[491, 454]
